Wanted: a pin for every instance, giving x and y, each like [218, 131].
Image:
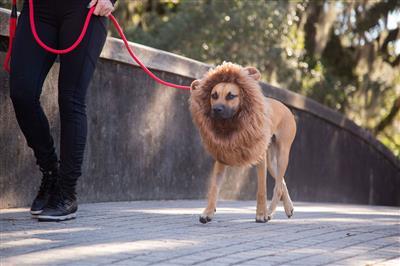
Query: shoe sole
[36, 212]
[44, 218]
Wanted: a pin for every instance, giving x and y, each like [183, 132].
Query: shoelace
[56, 194]
[59, 195]
[47, 179]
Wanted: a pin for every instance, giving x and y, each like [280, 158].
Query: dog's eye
[214, 95]
[230, 96]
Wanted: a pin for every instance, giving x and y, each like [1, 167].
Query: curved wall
[142, 144]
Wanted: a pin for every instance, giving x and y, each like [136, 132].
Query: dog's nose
[218, 109]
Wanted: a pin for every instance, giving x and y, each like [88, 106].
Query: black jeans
[58, 23]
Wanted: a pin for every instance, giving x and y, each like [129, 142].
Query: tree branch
[372, 16]
[389, 118]
[392, 35]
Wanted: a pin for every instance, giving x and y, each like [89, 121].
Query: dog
[241, 127]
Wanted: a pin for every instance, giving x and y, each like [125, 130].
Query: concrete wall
[142, 144]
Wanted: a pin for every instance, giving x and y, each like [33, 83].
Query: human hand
[103, 7]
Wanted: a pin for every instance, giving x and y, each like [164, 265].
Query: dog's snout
[220, 111]
[218, 108]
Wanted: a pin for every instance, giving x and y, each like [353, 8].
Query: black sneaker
[48, 179]
[61, 206]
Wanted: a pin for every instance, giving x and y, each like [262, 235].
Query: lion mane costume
[242, 139]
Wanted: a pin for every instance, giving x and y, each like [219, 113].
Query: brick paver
[168, 233]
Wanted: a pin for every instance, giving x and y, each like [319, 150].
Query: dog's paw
[204, 219]
[262, 218]
[289, 213]
[269, 216]
[288, 206]
[206, 216]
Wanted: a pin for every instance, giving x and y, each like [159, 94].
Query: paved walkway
[168, 233]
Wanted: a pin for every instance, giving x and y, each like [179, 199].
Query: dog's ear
[253, 72]
[195, 85]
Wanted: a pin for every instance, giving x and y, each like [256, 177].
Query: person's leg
[29, 67]
[76, 71]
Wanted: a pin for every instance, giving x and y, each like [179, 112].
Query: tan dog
[241, 127]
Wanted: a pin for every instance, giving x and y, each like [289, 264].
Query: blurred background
[343, 54]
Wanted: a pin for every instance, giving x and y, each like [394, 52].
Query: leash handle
[84, 29]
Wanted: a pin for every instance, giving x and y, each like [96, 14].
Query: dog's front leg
[217, 177]
[261, 213]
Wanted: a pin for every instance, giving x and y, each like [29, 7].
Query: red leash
[76, 43]
[11, 29]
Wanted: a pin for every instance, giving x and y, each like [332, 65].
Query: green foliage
[191, 31]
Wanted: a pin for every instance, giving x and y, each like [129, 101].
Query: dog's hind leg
[278, 157]
[261, 213]
[287, 201]
[217, 177]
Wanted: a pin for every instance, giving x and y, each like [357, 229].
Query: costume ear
[253, 72]
[195, 85]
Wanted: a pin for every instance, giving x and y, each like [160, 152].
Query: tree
[359, 55]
